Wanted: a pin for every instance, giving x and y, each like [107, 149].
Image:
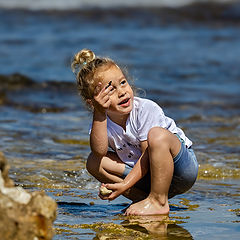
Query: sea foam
[78, 4]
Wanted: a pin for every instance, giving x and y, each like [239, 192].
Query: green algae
[108, 230]
[209, 172]
[187, 203]
[133, 228]
[236, 211]
[224, 140]
[72, 141]
[115, 231]
[67, 193]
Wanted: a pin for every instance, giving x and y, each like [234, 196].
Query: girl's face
[121, 94]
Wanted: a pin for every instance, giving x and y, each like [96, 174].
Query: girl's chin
[120, 111]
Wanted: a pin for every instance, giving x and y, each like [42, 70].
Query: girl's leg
[163, 146]
[110, 169]
[107, 169]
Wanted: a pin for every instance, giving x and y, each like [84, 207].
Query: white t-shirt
[144, 115]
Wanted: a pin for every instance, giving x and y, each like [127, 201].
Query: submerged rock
[24, 215]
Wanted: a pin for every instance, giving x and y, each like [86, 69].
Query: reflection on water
[157, 227]
[148, 227]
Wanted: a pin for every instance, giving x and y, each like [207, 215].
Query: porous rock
[24, 215]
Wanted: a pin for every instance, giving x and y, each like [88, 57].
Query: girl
[135, 149]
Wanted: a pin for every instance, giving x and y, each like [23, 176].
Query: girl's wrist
[99, 115]
[126, 185]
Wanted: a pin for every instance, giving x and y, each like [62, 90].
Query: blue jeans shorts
[184, 175]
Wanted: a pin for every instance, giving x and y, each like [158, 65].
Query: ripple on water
[51, 173]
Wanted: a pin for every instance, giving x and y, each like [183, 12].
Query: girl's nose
[121, 92]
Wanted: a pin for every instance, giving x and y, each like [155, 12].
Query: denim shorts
[184, 175]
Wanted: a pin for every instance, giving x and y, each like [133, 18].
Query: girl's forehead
[113, 73]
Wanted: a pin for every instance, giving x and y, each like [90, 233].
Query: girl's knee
[163, 140]
[158, 136]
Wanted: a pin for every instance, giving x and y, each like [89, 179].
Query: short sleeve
[150, 115]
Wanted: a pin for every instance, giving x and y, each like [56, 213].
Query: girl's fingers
[102, 96]
[105, 102]
[109, 84]
[110, 186]
[102, 90]
[111, 197]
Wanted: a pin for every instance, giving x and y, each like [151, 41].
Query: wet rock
[15, 81]
[24, 215]
[104, 191]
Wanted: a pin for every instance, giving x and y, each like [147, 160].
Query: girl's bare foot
[135, 194]
[148, 206]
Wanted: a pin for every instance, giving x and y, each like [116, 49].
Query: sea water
[184, 57]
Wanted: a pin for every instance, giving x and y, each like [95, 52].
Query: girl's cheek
[113, 99]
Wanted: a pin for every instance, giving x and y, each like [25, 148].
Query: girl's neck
[120, 120]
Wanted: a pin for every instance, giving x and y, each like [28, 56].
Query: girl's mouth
[125, 102]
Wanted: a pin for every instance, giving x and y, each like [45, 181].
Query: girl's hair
[85, 64]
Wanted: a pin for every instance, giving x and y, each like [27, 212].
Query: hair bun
[82, 58]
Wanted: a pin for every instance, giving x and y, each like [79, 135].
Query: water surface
[186, 59]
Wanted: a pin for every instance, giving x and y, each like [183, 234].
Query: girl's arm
[139, 171]
[98, 135]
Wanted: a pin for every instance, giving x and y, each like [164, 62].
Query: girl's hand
[117, 190]
[102, 192]
[101, 100]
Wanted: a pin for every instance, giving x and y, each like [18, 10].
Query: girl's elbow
[99, 152]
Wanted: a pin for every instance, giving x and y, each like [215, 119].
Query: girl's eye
[123, 82]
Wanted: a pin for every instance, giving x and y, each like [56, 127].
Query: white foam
[78, 4]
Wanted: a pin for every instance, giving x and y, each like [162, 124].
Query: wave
[79, 4]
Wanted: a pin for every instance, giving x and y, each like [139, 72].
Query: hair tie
[84, 63]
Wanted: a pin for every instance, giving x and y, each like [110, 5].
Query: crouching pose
[136, 150]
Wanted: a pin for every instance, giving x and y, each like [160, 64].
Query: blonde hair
[86, 64]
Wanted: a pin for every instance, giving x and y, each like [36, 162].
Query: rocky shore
[24, 215]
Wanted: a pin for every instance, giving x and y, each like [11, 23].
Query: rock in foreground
[24, 215]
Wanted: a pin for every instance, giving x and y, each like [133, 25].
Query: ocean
[184, 55]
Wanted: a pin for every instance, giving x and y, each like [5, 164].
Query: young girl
[136, 150]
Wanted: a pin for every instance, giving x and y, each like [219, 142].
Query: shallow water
[186, 59]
